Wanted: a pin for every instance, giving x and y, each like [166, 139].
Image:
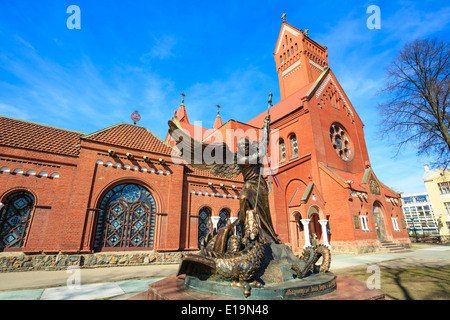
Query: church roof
[38, 137]
[130, 136]
[282, 108]
[218, 123]
[357, 180]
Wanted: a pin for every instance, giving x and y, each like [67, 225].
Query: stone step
[391, 247]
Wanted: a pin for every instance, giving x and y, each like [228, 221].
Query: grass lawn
[407, 282]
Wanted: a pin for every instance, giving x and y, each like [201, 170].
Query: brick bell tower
[299, 59]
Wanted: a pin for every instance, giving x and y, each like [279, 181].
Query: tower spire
[218, 123]
[181, 113]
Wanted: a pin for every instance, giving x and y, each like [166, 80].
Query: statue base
[277, 276]
[278, 280]
[313, 285]
[173, 288]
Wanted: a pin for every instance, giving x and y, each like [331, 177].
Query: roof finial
[182, 100]
[218, 110]
[135, 116]
[283, 17]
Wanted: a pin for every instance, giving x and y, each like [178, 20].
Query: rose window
[341, 142]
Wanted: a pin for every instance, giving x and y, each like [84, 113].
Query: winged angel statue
[233, 257]
[218, 159]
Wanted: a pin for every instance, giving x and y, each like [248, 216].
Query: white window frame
[364, 224]
[395, 224]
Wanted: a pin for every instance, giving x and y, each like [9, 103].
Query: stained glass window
[224, 220]
[282, 151]
[294, 147]
[15, 219]
[204, 223]
[126, 218]
[341, 143]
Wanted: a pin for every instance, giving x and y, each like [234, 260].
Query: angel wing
[216, 158]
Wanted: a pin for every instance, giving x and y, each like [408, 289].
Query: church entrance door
[379, 222]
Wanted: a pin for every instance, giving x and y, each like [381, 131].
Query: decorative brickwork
[319, 195]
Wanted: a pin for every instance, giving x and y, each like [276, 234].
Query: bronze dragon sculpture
[240, 262]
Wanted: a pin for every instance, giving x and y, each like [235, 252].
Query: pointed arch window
[15, 219]
[282, 151]
[224, 219]
[126, 219]
[204, 223]
[294, 146]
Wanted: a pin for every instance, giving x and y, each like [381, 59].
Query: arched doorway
[204, 223]
[126, 219]
[315, 229]
[379, 221]
[297, 230]
[15, 219]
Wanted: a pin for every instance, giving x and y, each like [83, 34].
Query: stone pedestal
[173, 288]
[279, 282]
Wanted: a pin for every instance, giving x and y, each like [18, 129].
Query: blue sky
[140, 55]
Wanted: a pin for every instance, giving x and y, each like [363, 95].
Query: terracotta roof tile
[130, 136]
[34, 136]
[282, 108]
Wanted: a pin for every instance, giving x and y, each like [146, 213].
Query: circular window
[341, 142]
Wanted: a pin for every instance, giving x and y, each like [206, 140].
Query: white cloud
[163, 48]
[13, 112]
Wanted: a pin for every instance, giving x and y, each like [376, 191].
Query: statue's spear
[261, 169]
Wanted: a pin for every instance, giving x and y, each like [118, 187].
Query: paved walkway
[123, 282]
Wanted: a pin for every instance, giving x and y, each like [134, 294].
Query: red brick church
[120, 189]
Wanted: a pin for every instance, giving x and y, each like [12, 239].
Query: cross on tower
[218, 108]
[182, 94]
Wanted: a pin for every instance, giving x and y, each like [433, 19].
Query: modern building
[122, 188]
[419, 214]
[437, 183]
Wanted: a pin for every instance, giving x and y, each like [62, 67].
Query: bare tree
[417, 94]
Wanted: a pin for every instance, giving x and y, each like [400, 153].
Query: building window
[395, 224]
[15, 220]
[422, 198]
[204, 223]
[407, 200]
[294, 147]
[224, 219]
[444, 187]
[341, 142]
[364, 225]
[126, 218]
[282, 151]
[447, 207]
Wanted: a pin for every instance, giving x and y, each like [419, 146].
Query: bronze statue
[246, 161]
[245, 259]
